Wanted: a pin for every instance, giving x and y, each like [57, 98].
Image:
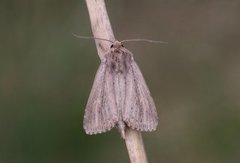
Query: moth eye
[122, 45]
[111, 46]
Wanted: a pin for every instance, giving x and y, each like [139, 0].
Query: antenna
[128, 40]
[145, 40]
[90, 37]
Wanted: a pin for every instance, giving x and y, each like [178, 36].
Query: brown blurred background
[46, 75]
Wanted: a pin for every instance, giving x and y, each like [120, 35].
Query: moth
[119, 96]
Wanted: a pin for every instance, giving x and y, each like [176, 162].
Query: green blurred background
[46, 75]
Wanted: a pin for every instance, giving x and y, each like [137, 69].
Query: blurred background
[46, 75]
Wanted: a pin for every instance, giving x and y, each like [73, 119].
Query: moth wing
[140, 111]
[101, 111]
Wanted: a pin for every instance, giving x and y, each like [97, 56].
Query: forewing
[101, 112]
[140, 111]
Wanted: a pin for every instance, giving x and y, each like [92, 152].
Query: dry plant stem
[135, 146]
[101, 28]
[100, 24]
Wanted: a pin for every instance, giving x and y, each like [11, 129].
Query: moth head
[116, 45]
